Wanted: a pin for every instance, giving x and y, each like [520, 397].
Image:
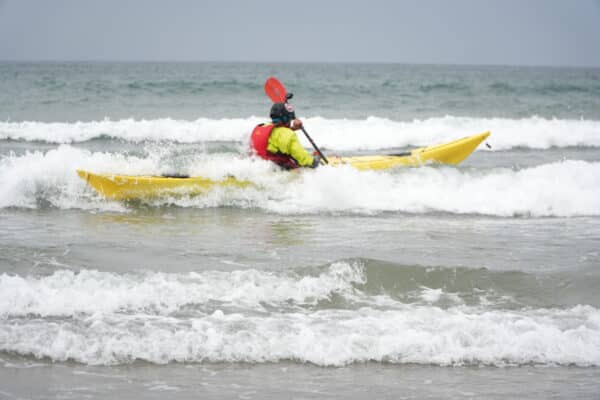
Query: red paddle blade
[275, 90]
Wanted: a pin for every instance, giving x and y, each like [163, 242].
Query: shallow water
[292, 380]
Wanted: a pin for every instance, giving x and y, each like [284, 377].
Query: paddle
[277, 93]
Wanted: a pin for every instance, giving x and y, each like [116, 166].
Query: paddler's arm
[284, 140]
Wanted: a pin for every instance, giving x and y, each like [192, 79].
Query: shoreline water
[217, 381]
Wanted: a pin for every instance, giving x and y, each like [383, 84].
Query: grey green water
[476, 281]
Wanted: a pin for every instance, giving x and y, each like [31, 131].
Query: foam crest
[566, 188]
[162, 293]
[414, 334]
[202, 129]
[332, 134]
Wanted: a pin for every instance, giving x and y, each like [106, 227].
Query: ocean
[472, 281]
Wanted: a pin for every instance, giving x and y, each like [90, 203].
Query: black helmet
[282, 113]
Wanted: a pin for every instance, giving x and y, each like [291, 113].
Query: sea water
[478, 280]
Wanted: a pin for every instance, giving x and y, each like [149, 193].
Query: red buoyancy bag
[259, 140]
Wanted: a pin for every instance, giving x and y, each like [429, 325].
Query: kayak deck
[448, 153]
[127, 187]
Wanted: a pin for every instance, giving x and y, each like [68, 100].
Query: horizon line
[187, 61]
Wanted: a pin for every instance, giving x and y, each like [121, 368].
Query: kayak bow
[448, 153]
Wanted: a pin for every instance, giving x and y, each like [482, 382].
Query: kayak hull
[127, 187]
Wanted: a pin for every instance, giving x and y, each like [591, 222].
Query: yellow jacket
[284, 140]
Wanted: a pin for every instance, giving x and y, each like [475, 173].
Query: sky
[481, 32]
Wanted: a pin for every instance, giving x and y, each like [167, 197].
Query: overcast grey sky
[502, 32]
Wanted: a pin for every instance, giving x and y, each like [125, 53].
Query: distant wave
[333, 134]
[546, 88]
[189, 86]
[450, 87]
[131, 130]
[568, 188]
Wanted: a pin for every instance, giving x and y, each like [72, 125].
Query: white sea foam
[200, 130]
[162, 293]
[567, 188]
[333, 134]
[121, 318]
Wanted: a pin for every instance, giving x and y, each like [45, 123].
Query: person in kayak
[278, 142]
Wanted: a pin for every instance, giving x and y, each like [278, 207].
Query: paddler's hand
[316, 161]
[296, 124]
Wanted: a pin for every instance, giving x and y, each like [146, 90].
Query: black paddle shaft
[315, 146]
[288, 96]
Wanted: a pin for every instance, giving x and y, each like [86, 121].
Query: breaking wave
[566, 188]
[331, 317]
[332, 134]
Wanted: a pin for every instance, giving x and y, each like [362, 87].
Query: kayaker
[277, 141]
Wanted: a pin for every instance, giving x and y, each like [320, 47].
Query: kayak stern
[126, 187]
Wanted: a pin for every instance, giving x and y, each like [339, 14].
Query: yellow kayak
[126, 187]
[448, 153]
